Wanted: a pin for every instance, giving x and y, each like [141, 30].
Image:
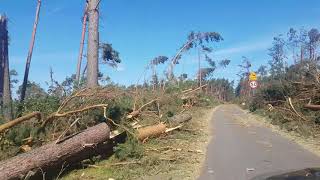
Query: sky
[143, 29]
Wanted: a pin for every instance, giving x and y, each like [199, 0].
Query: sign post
[253, 76]
[253, 82]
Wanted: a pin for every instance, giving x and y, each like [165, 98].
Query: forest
[86, 119]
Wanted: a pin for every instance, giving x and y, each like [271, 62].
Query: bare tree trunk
[6, 98]
[27, 68]
[54, 155]
[199, 64]
[154, 74]
[2, 29]
[83, 34]
[93, 44]
[301, 54]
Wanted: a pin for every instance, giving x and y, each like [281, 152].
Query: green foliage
[128, 150]
[159, 60]
[45, 104]
[33, 90]
[109, 55]
[277, 53]
[117, 109]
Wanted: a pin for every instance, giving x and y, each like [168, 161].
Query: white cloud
[121, 68]
[244, 48]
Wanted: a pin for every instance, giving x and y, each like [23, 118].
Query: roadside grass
[177, 155]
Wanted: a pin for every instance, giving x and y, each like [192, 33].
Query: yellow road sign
[253, 76]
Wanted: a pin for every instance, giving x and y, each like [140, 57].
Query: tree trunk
[93, 44]
[19, 120]
[56, 155]
[178, 119]
[2, 35]
[27, 68]
[312, 107]
[199, 64]
[1, 58]
[4, 59]
[83, 34]
[7, 106]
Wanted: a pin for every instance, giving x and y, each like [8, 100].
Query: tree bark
[27, 68]
[19, 120]
[2, 29]
[93, 44]
[4, 59]
[72, 150]
[151, 131]
[178, 119]
[83, 34]
[312, 107]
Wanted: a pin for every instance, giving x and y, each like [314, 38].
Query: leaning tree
[195, 39]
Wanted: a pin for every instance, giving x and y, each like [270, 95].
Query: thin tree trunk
[83, 35]
[199, 64]
[301, 54]
[1, 57]
[7, 106]
[93, 44]
[27, 68]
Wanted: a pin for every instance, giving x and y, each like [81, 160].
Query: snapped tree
[5, 72]
[27, 68]
[93, 44]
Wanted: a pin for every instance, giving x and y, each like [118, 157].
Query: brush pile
[138, 113]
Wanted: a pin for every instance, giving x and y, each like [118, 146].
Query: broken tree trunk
[83, 34]
[4, 60]
[27, 68]
[93, 44]
[181, 118]
[19, 120]
[312, 107]
[72, 150]
[151, 131]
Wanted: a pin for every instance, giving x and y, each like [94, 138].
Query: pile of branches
[142, 114]
[295, 99]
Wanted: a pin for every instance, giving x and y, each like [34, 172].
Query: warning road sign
[253, 76]
[253, 84]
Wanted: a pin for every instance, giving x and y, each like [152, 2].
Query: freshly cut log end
[75, 149]
[133, 114]
[151, 131]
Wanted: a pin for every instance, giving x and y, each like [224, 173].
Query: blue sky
[143, 29]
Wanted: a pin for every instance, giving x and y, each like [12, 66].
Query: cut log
[181, 118]
[312, 107]
[151, 131]
[79, 147]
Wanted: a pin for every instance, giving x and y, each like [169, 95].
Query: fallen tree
[151, 131]
[54, 155]
[19, 120]
[312, 107]
[181, 118]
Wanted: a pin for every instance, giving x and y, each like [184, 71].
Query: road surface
[239, 152]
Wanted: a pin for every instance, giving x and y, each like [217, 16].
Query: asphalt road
[237, 152]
